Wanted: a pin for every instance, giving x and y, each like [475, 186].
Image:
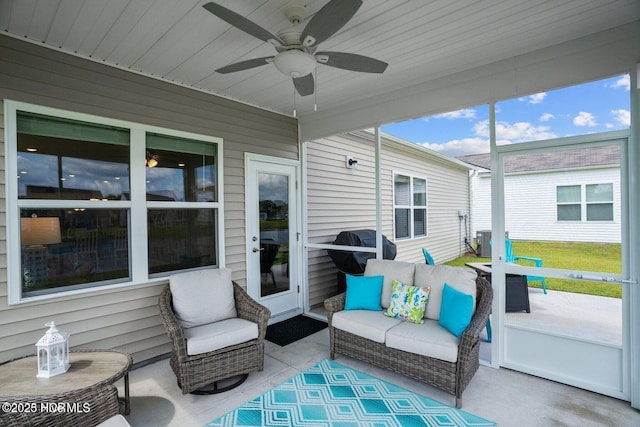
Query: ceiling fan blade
[245, 65]
[242, 23]
[328, 20]
[351, 61]
[304, 85]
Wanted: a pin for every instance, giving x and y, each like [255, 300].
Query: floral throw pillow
[408, 302]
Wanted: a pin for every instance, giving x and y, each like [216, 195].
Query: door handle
[257, 250]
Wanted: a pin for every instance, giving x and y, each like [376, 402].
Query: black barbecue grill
[354, 262]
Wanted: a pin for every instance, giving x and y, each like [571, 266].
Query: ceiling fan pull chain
[294, 101]
[315, 90]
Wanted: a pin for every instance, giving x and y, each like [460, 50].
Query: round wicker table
[84, 395]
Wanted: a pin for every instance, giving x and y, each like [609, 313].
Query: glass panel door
[273, 202]
[272, 235]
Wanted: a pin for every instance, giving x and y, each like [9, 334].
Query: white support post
[497, 247]
[634, 239]
[379, 253]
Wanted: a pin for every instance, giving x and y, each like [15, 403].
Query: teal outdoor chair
[427, 257]
[536, 261]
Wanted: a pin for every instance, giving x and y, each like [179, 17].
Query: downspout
[468, 232]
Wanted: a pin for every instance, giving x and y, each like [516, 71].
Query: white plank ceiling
[180, 42]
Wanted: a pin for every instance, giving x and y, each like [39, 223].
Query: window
[410, 206]
[598, 204]
[91, 194]
[180, 234]
[569, 199]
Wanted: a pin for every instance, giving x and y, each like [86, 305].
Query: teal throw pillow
[363, 292]
[456, 310]
[408, 302]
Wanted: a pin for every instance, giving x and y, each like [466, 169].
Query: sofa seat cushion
[435, 276]
[372, 325]
[391, 270]
[429, 339]
[214, 336]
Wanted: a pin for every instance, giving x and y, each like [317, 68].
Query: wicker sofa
[426, 352]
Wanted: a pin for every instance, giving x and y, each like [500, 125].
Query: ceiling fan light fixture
[295, 63]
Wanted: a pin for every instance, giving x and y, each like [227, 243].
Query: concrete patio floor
[590, 317]
[507, 397]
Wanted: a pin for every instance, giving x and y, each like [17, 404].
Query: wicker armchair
[451, 377]
[196, 372]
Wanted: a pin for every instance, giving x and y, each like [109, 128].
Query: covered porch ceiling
[442, 54]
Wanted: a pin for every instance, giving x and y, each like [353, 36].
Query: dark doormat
[294, 329]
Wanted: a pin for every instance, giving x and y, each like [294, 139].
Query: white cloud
[515, 132]
[460, 147]
[465, 113]
[536, 98]
[623, 82]
[622, 117]
[585, 119]
[546, 117]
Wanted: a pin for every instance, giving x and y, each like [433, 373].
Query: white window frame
[578, 203]
[412, 207]
[587, 203]
[137, 205]
[584, 203]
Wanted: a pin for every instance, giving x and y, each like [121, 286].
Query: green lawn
[604, 257]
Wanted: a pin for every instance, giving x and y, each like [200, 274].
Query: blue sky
[598, 106]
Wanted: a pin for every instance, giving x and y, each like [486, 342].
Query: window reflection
[95, 171]
[65, 247]
[180, 170]
[181, 238]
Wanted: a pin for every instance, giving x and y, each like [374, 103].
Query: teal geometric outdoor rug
[329, 394]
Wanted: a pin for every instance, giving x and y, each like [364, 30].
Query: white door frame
[293, 300]
[606, 377]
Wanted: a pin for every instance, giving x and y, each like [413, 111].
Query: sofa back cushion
[391, 270]
[435, 276]
[202, 296]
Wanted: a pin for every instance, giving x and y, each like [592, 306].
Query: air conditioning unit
[483, 240]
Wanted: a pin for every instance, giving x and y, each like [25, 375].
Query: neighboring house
[564, 196]
[421, 194]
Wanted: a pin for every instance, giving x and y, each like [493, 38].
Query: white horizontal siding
[531, 209]
[340, 199]
[447, 193]
[127, 319]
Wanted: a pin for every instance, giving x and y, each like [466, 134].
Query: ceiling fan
[297, 55]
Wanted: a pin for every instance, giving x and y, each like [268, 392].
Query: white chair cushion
[391, 270]
[435, 276]
[214, 336]
[369, 324]
[115, 421]
[202, 296]
[429, 339]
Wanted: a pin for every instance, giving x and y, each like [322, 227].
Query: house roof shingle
[583, 157]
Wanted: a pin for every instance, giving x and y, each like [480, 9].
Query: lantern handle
[52, 327]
